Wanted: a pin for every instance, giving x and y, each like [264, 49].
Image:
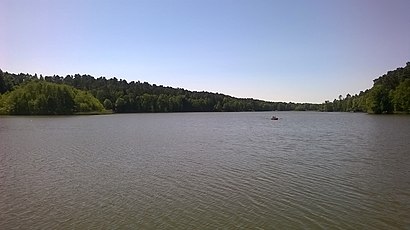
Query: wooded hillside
[122, 96]
[390, 94]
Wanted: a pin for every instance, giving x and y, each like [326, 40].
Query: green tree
[85, 102]
[162, 103]
[107, 104]
[378, 100]
[2, 83]
[40, 97]
[120, 105]
[401, 97]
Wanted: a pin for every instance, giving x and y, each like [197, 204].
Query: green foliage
[401, 97]
[85, 102]
[107, 104]
[378, 100]
[3, 88]
[143, 97]
[120, 105]
[390, 94]
[40, 98]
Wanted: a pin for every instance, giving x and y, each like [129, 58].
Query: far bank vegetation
[26, 94]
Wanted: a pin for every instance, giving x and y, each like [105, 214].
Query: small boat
[274, 118]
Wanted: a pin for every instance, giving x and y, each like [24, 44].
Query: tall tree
[2, 83]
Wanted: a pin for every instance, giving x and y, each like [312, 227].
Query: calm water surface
[205, 171]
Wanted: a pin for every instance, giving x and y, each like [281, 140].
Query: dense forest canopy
[40, 98]
[390, 94]
[123, 97]
[32, 94]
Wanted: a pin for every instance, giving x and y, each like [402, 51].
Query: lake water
[205, 171]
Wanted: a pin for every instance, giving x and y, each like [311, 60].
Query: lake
[205, 171]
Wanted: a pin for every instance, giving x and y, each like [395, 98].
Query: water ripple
[205, 171]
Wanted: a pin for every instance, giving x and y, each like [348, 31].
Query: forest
[33, 94]
[390, 94]
[24, 94]
[43, 98]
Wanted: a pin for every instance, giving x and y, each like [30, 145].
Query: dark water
[205, 171]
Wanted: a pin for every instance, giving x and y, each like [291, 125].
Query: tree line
[390, 94]
[121, 96]
[33, 94]
[44, 98]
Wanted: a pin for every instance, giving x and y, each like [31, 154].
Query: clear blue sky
[290, 50]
